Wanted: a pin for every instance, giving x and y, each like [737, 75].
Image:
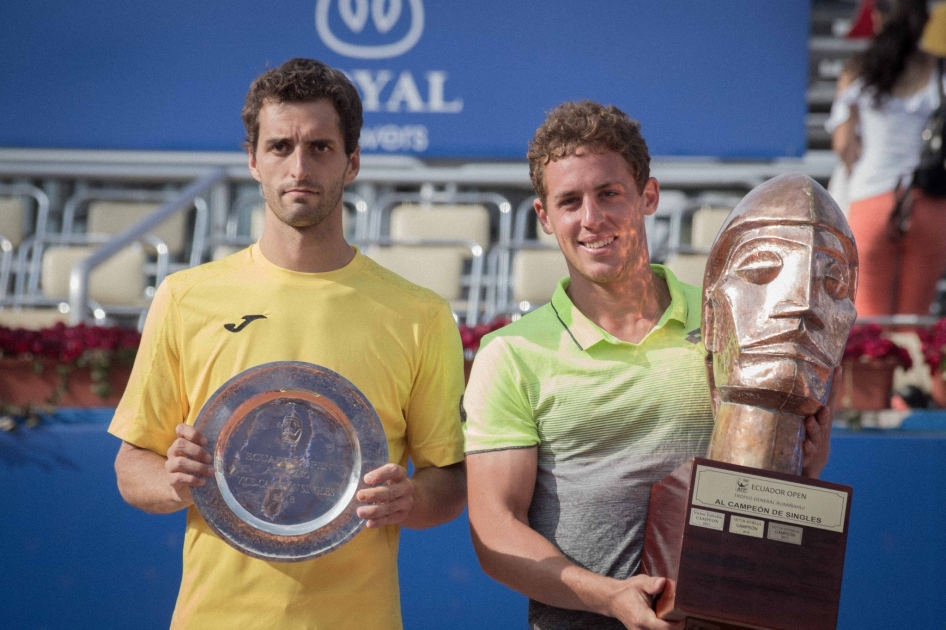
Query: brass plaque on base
[747, 548]
[291, 443]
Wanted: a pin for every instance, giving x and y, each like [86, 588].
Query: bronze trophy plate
[743, 547]
[291, 444]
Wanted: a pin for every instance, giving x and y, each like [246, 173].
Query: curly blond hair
[586, 124]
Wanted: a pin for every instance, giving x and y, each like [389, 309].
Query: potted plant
[869, 360]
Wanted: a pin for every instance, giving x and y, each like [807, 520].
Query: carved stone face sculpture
[778, 303]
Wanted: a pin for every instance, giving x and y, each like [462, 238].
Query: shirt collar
[586, 333]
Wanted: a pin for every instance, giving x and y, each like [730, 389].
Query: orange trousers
[898, 277]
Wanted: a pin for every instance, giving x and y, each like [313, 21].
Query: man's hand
[159, 484]
[188, 462]
[632, 604]
[391, 499]
[817, 446]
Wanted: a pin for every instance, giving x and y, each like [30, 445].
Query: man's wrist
[598, 593]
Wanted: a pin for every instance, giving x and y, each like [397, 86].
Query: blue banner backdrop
[439, 78]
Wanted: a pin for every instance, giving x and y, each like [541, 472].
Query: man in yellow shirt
[300, 294]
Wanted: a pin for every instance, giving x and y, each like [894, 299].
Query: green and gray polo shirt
[609, 418]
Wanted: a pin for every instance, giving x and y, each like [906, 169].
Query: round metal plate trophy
[291, 443]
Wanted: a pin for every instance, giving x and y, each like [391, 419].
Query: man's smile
[598, 244]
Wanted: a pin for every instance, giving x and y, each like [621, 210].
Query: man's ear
[542, 215]
[251, 154]
[651, 196]
[354, 165]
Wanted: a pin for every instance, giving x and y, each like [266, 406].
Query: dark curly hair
[298, 81]
[884, 61]
[586, 124]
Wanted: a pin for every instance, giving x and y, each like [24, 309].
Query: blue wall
[724, 78]
[75, 557]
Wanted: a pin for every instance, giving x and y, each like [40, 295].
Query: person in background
[885, 97]
[302, 293]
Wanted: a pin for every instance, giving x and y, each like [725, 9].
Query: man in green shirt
[577, 409]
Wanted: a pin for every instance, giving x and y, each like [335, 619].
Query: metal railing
[384, 169]
[201, 218]
[79, 276]
[40, 228]
[38, 298]
[42, 202]
[900, 321]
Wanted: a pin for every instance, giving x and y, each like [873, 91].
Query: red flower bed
[866, 344]
[66, 343]
[63, 365]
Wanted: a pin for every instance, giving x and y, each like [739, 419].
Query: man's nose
[591, 213]
[299, 164]
[797, 303]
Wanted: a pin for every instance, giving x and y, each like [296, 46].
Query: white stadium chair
[119, 281]
[114, 217]
[535, 274]
[436, 268]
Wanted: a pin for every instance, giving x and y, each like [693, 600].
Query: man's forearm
[144, 482]
[527, 562]
[439, 496]
[510, 551]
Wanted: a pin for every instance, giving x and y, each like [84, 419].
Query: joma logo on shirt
[246, 321]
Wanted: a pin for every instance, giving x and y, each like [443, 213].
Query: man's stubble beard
[304, 216]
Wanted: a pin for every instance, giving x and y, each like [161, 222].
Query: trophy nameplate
[291, 443]
[747, 548]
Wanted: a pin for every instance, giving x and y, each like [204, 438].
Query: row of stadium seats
[469, 247]
[47, 247]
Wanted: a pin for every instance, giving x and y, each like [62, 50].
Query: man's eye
[760, 267]
[836, 281]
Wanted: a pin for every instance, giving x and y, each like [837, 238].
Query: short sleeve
[841, 107]
[434, 436]
[154, 402]
[498, 413]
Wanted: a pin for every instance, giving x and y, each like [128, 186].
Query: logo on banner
[384, 14]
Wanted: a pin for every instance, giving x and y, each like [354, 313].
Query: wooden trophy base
[747, 548]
